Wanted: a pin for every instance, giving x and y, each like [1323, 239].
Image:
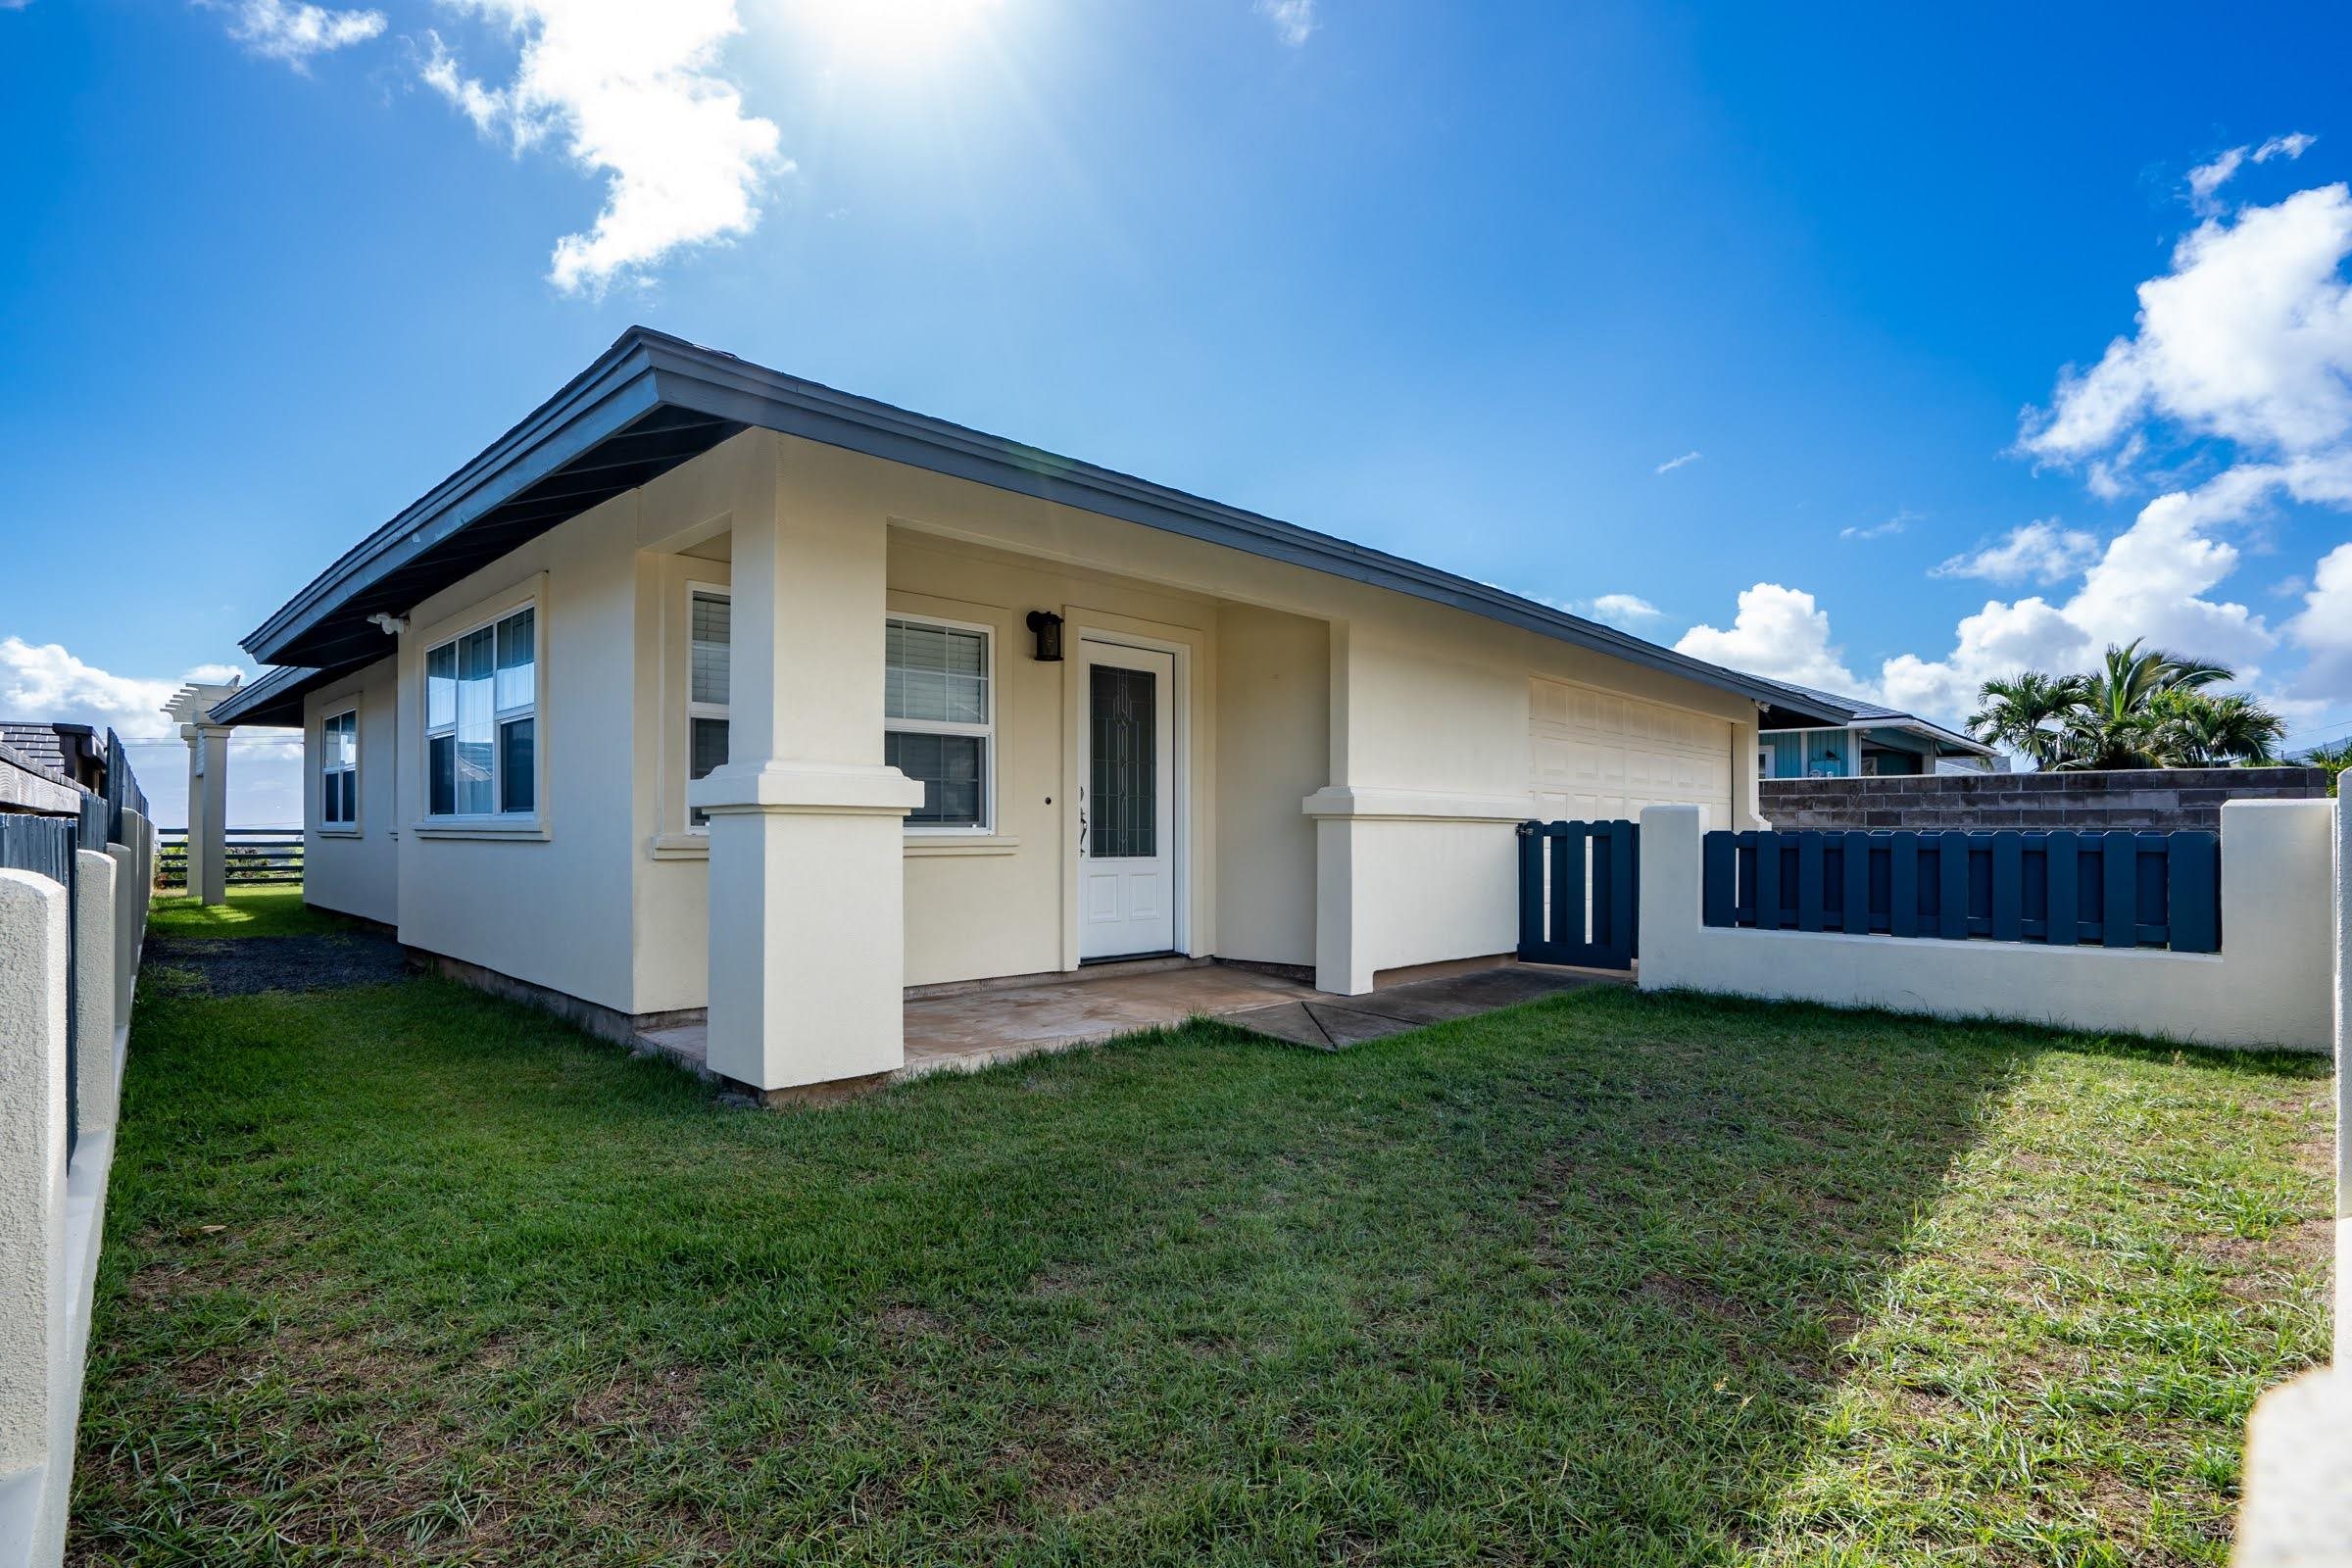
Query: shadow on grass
[409, 1270]
[275, 910]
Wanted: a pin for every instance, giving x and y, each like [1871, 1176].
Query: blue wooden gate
[1580, 894]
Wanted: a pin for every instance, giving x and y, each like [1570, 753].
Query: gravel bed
[239, 966]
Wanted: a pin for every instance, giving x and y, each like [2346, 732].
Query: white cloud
[1294, 19]
[43, 681]
[2152, 580]
[1779, 632]
[2324, 631]
[2206, 179]
[2241, 350]
[296, 33]
[2040, 551]
[634, 93]
[1880, 530]
[1620, 610]
[1672, 464]
[2249, 338]
[46, 682]
[1629, 607]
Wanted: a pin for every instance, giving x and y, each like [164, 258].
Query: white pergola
[191, 708]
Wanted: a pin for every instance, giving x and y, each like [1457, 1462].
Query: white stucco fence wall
[2298, 1463]
[2272, 984]
[52, 1211]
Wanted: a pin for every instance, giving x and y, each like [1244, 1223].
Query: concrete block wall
[2162, 800]
[52, 1206]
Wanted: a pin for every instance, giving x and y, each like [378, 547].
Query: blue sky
[1459, 281]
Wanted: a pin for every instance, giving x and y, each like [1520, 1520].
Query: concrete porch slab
[969, 1029]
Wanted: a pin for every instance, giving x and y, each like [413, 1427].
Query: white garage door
[1598, 756]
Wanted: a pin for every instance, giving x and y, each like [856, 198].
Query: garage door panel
[1598, 756]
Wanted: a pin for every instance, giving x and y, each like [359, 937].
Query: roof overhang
[652, 402]
[274, 698]
[1947, 740]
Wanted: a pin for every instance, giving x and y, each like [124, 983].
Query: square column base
[1343, 955]
[808, 929]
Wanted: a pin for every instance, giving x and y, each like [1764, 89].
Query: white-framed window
[339, 769]
[711, 631]
[940, 720]
[481, 720]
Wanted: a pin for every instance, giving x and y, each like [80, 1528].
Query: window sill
[483, 828]
[916, 846]
[337, 832]
[929, 846]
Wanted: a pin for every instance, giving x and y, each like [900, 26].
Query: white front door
[1126, 801]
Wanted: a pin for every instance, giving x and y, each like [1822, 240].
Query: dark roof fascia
[275, 699]
[1949, 737]
[600, 401]
[728, 388]
[645, 369]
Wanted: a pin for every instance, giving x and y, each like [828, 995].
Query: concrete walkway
[969, 1027]
[1334, 1024]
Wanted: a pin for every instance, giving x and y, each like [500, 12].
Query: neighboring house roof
[652, 400]
[71, 752]
[1846, 711]
[29, 784]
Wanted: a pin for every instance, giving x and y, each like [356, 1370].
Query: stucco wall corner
[34, 917]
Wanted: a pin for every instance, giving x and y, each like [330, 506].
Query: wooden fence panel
[1580, 889]
[256, 856]
[2116, 889]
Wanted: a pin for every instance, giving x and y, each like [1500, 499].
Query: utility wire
[2312, 734]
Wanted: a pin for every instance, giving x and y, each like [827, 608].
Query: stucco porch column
[208, 786]
[207, 810]
[807, 936]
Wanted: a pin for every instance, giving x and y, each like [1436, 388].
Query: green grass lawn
[251, 911]
[409, 1273]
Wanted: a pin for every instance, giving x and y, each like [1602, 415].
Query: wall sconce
[1048, 627]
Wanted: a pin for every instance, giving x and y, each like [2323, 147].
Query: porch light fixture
[1048, 627]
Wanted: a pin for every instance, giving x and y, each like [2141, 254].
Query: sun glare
[893, 29]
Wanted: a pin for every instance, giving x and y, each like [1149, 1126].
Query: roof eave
[614, 390]
[274, 698]
[728, 388]
[645, 371]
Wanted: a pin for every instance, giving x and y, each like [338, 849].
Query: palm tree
[2197, 729]
[2027, 713]
[2143, 708]
[2336, 758]
[2119, 722]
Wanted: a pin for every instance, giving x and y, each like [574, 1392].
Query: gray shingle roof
[1862, 711]
[38, 742]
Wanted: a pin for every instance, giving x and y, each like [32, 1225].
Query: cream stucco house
[705, 687]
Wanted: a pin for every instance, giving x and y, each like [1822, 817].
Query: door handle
[1082, 822]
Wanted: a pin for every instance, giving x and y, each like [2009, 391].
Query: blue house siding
[1845, 753]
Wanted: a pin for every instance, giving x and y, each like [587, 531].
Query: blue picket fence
[123, 791]
[2114, 889]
